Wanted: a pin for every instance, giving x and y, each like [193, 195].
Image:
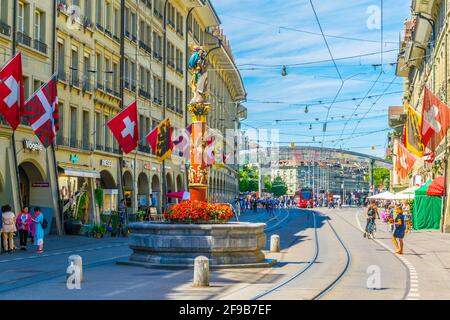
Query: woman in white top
[8, 228]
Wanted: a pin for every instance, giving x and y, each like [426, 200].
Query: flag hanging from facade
[12, 91]
[124, 127]
[429, 157]
[160, 139]
[435, 120]
[412, 135]
[405, 161]
[41, 109]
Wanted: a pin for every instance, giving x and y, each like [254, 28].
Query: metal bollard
[201, 272]
[275, 243]
[77, 261]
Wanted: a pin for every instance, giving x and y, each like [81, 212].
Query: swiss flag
[405, 161]
[435, 120]
[11, 91]
[42, 112]
[124, 127]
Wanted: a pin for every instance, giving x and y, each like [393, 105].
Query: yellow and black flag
[412, 135]
[160, 139]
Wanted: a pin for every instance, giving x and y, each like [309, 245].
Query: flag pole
[444, 202]
[60, 207]
[16, 162]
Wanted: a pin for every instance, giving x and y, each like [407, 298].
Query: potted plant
[98, 231]
[98, 194]
[74, 215]
[140, 215]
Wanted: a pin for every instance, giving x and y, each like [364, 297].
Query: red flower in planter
[197, 211]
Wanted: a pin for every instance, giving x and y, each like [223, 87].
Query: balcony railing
[88, 23]
[75, 80]
[144, 46]
[24, 39]
[100, 27]
[86, 146]
[5, 29]
[143, 148]
[144, 94]
[100, 86]
[157, 56]
[40, 46]
[74, 143]
[87, 86]
[62, 76]
[99, 147]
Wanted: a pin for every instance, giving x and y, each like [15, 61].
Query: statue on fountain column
[198, 64]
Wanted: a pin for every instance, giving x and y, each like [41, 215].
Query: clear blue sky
[262, 37]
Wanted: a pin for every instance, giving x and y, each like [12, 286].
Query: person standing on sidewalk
[8, 228]
[122, 216]
[23, 222]
[399, 232]
[38, 230]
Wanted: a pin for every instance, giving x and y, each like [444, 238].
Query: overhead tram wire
[373, 105]
[317, 103]
[337, 69]
[308, 32]
[381, 69]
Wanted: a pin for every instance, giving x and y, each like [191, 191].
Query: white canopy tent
[383, 196]
[406, 194]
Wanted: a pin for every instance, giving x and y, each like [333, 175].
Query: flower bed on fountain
[198, 229]
[197, 212]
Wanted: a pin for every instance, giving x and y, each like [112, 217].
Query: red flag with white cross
[42, 112]
[435, 120]
[124, 127]
[11, 91]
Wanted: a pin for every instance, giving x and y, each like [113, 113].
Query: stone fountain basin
[231, 245]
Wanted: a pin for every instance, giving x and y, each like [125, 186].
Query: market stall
[428, 205]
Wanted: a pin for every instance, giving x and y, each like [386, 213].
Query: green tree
[248, 179]
[381, 177]
[279, 187]
[268, 184]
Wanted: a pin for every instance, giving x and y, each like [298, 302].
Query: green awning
[422, 191]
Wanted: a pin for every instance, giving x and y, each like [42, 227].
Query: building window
[106, 135]
[99, 13]
[21, 17]
[74, 68]
[61, 62]
[98, 132]
[60, 133]
[26, 85]
[4, 10]
[73, 127]
[86, 130]
[99, 71]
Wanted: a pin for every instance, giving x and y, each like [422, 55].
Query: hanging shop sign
[74, 158]
[40, 185]
[128, 164]
[106, 163]
[32, 146]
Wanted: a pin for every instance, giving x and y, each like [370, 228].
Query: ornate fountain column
[199, 109]
[198, 172]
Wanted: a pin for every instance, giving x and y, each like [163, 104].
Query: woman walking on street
[8, 229]
[38, 230]
[399, 232]
[23, 222]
